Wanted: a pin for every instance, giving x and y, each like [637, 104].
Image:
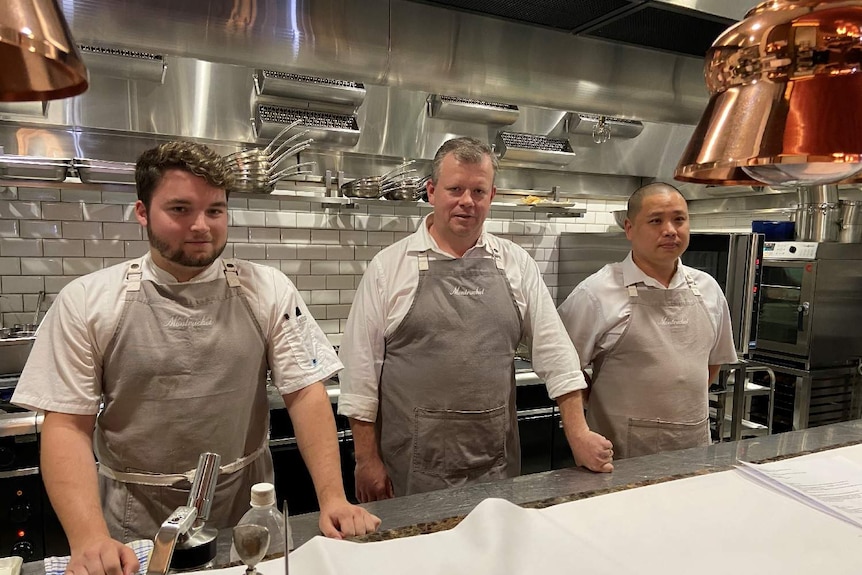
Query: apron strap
[498, 260]
[170, 479]
[230, 274]
[133, 275]
[691, 284]
[423, 262]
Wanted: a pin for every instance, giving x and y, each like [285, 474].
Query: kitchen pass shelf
[341, 202]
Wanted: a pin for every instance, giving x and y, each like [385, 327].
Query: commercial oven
[811, 333]
[28, 526]
[811, 304]
[733, 259]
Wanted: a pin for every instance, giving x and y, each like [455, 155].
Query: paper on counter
[832, 484]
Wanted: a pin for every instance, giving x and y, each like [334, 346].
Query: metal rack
[740, 425]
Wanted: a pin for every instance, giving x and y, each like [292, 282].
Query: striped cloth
[141, 547]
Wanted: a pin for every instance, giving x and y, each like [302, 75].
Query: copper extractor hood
[786, 87]
[38, 58]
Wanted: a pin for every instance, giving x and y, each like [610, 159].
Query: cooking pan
[258, 153]
[409, 189]
[263, 162]
[377, 186]
[264, 184]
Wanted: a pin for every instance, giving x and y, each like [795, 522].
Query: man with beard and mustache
[655, 331]
[154, 361]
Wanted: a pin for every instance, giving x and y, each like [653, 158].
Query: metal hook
[601, 131]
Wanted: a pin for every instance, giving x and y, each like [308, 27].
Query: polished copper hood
[786, 99]
[38, 58]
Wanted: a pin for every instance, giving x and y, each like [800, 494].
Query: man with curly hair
[154, 361]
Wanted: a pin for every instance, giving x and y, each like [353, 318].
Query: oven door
[786, 296]
[735, 262]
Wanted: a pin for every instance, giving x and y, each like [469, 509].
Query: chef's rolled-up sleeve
[63, 371]
[582, 317]
[554, 358]
[363, 347]
[723, 350]
[299, 352]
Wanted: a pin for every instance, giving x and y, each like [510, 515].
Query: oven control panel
[789, 250]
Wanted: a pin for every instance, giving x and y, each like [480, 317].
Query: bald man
[655, 332]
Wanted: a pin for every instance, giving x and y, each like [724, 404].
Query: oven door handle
[22, 472]
[801, 312]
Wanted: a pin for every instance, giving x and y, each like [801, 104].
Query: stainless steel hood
[403, 52]
[431, 48]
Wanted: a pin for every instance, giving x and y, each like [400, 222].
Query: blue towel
[141, 547]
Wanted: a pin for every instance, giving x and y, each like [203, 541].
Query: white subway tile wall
[49, 236]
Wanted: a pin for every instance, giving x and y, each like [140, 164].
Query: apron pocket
[466, 443]
[648, 436]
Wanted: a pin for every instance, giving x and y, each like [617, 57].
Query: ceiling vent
[308, 88]
[469, 110]
[23, 110]
[323, 127]
[124, 64]
[533, 149]
[321, 108]
[602, 128]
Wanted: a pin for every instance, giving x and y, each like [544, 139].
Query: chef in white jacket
[153, 361]
[654, 331]
[430, 341]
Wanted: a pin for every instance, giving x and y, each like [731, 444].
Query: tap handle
[203, 489]
[179, 522]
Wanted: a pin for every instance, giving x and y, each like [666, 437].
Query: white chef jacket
[387, 291]
[597, 311]
[64, 369]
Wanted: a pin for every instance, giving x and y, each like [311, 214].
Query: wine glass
[251, 542]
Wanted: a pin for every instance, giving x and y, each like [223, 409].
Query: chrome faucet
[184, 533]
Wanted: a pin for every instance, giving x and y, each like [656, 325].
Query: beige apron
[649, 391]
[184, 373]
[447, 388]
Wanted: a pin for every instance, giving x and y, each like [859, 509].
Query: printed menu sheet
[831, 483]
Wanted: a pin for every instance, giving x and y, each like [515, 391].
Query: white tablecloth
[718, 523]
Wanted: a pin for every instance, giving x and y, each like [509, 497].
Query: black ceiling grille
[664, 29]
[561, 14]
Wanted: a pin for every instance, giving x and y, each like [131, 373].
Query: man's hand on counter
[593, 451]
[590, 449]
[372, 481]
[342, 519]
[103, 557]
